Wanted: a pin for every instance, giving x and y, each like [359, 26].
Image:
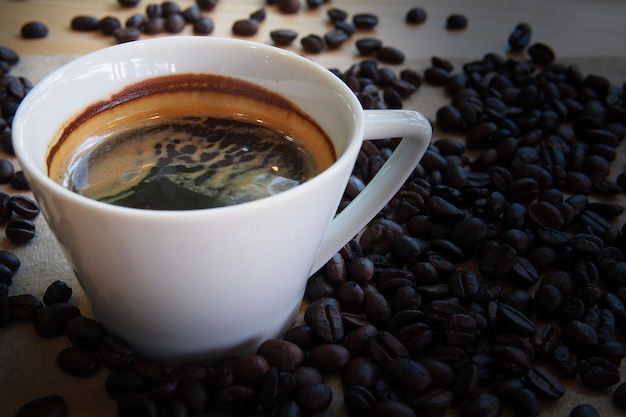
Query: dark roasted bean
[283, 37]
[84, 331]
[18, 181]
[584, 410]
[456, 22]
[245, 27]
[48, 406]
[282, 354]
[34, 30]
[541, 53]
[390, 55]
[313, 398]
[127, 34]
[203, 26]
[50, 321]
[108, 25]
[520, 37]
[599, 373]
[206, 5]
[78, 361]
[85, 23]
[57, 292]
[24, 306]
[289, 6]
[115, 352]
[312, 43]
[365, 21]
[416, 15]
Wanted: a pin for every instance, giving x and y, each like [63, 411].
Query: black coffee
[205, 142]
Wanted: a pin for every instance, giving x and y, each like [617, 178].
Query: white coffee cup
[202, 284]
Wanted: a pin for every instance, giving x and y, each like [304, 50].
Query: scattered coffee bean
[85, 23]
[365, 21]
[78, 361]
[456, 22]
[289, 6]
[203, 26]
[335, 14]
[50, 321]
[416, 15]
[312, 43]
[128, 3]
[109, 24]
[368, 46]
[126, 34]
[20, 230]
[57, 292]
[541, 53]
[206, 5]
[520, 37]
[390, 55]
[48, 406]
[34, 30]
[283, 37]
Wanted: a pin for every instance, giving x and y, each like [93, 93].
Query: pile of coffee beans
[496, 274]
[16, 211]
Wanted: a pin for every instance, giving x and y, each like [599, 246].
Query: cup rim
[32, 168]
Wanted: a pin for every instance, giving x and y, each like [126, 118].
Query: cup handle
[416, 132]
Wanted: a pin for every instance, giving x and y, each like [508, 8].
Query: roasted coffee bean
[360, 371]
[390, 55]
[543, 383]
[525, 403]
[115, 352]
[288, 6]
[520, 37]
[365, 21]
[57, 292]
[324, 317]
[24, 306]
[108, 25]
[541, 53]
[416, 15]
[456, 22]
[245, 27]
[484, 405]
[368, 46]
[283, 37]
[313, 398]
[154, 25]
[304, 375]
[128, 3]
[581, 338]
[50, 321]
[48, 406]
[78, 361]
[408, 374]
[18, 181]
[24, 206]
[6, 171]
[203, 26]
[599, 373]
[584, 410]
[127, 34]
[84, 331]
[250, 369]
[284, 355]
[515, 321]
[312, 43]
[359, 401]
[85, 23]
[135, 21]
[206, 5]
[329, 358]
[34, 30]
[276, 387]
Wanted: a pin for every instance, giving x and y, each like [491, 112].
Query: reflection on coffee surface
[189, 142]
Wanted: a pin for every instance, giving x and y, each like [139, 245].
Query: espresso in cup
[183, 142]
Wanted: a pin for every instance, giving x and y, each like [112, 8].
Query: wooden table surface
[588, 32]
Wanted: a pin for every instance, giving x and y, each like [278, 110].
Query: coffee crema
[192, 141]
